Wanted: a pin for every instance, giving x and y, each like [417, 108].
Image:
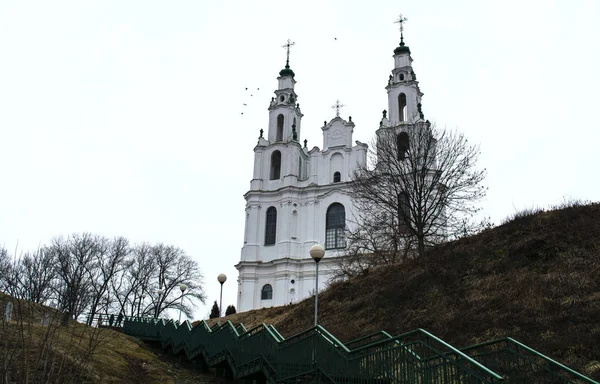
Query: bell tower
[284, 110]
[404, 95]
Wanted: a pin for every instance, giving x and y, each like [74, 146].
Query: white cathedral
[299, 197]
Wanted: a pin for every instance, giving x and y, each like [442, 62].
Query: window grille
[266, 292]
[335, 224]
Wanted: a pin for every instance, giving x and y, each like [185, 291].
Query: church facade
[299, 197]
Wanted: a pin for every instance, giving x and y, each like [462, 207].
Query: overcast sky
[124, 117]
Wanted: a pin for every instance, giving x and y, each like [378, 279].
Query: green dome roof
[286, 72]
[401, 49]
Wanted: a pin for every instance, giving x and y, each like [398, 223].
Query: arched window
[335, 224]
[271, 226]
[402, 143]
[336, 165]
[402, 107]
[266, 293]
[275, 165]
[279, 128]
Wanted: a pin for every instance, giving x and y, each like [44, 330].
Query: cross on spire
[337, 107]
[287, 46]
[401, 20]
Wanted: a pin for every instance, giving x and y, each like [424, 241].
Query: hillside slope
[32, 352]
[536, 279]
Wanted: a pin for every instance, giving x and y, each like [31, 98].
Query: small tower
[404, 95]
[284, 111]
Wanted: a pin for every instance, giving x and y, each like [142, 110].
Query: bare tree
[35, 275]
[110, 258]
[131, 284]
[5, 267]
[421, 187]
[150, 282]
[89, 273]
[75, 258]
[174, 268]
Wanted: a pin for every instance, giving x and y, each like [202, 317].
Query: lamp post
[316, 252]
[222, 278]
[157, 309]
[182, 287]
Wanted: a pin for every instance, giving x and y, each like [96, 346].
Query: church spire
[404, 95]
[402, 47]
[284, 110]
[287, 71]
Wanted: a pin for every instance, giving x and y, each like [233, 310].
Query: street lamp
[316, 252]
[182, 287]
[222, 278]
[157, 309]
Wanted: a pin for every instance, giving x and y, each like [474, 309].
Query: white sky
[123, 117]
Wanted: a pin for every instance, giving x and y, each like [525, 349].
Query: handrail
[458, 352]
[274, 330]
[437, 339]
[254, 330]
[322, 331]
[333, 340]
[274, 335]
[355, 341]
[535, 353]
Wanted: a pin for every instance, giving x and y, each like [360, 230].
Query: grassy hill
[535, 278]
[31, 352]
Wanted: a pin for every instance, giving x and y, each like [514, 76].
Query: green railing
[522, 363]
[315, 355]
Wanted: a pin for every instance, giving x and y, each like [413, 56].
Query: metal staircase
[316, 356]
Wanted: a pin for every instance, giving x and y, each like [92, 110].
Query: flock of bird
[251, 95]
[247, 89]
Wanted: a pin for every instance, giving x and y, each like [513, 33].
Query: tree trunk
[65, 319]
[421, 245]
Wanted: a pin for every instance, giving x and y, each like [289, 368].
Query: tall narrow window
[402, 145]
[337, 177]
[266, 293]
[402, 107]
[275, 166]
[271, 226]
[279, 128]
[403, 212]
[335, 224]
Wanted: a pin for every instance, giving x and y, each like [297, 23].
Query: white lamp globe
[317, 252]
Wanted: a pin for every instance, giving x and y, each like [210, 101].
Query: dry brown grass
[113, 356]
[536, 279]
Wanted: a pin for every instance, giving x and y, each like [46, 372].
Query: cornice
[314, 188]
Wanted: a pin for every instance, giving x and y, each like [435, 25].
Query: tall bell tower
[284, 111]
[404, 95]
